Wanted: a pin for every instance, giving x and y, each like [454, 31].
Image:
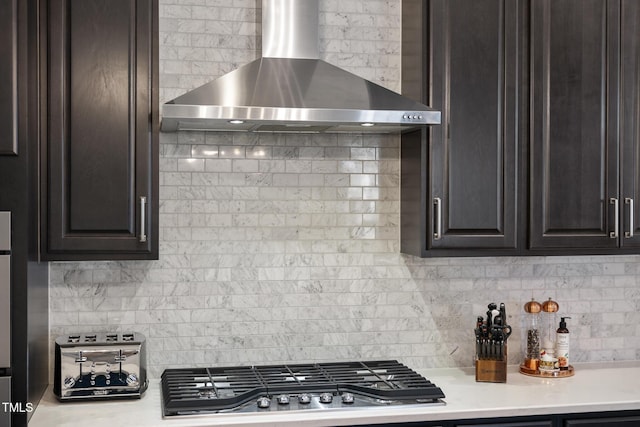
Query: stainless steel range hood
[290, 89]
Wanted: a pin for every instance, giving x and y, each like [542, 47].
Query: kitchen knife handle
[629, 201]
[616, 213]
[143, 219]
[437, 203]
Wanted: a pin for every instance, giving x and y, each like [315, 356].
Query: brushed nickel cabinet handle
[629, 234]
[616, 213]
[437, 203]
[143, 219]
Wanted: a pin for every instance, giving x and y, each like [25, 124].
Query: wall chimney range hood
[290, 89]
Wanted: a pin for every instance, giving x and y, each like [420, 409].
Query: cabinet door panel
[497, 423]
[101, 138]
[9, 77]
[630, 122]
[574, 170]
[474, 151]
[632, 421]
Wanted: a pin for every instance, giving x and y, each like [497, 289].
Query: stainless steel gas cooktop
[295, 387]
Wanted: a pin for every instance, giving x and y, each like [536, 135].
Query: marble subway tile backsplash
[273, 250]
[285, 247]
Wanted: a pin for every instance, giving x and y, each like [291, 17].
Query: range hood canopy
[290, 89]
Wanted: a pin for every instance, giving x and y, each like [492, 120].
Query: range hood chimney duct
[290, 89]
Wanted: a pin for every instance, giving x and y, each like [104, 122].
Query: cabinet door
[498, 423]
[474, 157]
[574, 141]
[632, 421]
[630, 122]
[8, 77]
[101, 140]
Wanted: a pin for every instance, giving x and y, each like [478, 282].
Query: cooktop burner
[294, 387]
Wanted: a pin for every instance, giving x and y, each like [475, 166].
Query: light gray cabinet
[5, 311]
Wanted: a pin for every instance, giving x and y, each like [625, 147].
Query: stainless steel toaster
[100, 366]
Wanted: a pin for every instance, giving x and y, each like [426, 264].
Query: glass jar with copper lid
[549, 310]
[532, 339]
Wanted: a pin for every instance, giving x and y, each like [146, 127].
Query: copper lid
[550, 306]
[532, 306]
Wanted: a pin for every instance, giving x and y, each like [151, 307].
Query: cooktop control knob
[326, 398]
[264, 402]
[283, 399]
[304, 399]
[347, 398]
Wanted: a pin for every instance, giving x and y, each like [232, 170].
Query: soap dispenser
[562, 344]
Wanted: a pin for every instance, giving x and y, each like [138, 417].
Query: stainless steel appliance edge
[290, 89]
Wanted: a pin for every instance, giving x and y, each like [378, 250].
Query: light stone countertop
[593, 388]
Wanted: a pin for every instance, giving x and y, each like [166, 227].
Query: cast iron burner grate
[231, 389]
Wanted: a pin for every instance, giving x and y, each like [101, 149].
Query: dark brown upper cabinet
[460, 179]
[9, 77]
[100, 129]
[630, 124]
[539, 148]
[584, 168]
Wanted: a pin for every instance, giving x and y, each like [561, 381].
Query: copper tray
[546, 374]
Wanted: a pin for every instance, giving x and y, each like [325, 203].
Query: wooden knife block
[492, 371]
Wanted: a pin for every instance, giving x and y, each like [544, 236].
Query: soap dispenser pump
[562, 344]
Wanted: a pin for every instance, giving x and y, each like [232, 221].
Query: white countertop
[593, 388]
